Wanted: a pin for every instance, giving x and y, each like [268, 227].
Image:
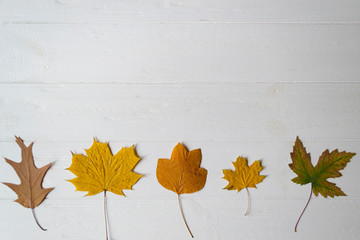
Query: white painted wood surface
[229, 77]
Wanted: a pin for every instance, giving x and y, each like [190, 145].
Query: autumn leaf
[182, 173]
[100, 171]
[243, 176]
[328, 166]
[30, 191]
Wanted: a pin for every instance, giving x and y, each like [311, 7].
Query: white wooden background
[230, 77]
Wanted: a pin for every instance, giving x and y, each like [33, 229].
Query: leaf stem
[36, 220]
[248, 201]
[105, 215]
[304, 209]
[182, 214]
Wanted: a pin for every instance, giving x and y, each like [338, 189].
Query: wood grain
[172, 112]
[179, 53]
[230, 77]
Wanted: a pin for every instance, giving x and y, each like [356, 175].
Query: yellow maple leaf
[101, 171]
[243, 176]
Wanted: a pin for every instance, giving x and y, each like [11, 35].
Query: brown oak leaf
[30, 191]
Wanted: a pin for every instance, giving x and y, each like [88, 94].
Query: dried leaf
[30, 191]
[182, 173]
[100, 171]
[328, 166]
[243, 176]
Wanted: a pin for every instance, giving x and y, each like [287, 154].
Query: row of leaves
[101, 171]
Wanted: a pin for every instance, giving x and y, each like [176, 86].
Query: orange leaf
[182, 173]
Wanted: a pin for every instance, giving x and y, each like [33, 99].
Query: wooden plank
[230, 77]
[170, 11]
[157, 53]
[174, 112]
[160, 219]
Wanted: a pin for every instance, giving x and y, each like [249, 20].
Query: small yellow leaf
[101, 171]
[243, 176]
